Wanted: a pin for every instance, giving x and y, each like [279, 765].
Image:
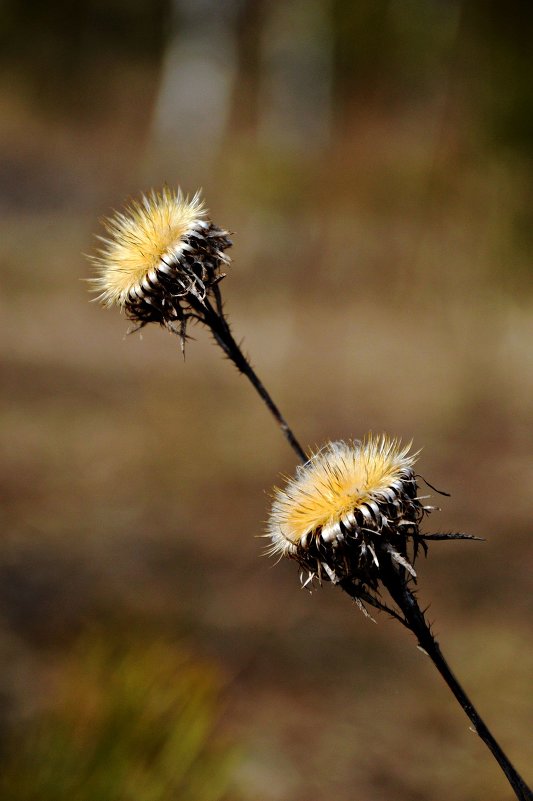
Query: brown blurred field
[374, 161]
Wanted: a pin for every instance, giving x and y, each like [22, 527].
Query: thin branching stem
[219, 326]
[397, 585]
[393, 578]
[357, 595]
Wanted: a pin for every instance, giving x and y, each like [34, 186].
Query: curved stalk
[219, 326]
[393, 579]
[414, 620]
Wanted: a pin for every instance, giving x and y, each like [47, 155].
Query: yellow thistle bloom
[162, 262]
[161, 259]
[146, 238]
[348, 502]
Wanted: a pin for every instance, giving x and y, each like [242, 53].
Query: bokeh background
[374, 159]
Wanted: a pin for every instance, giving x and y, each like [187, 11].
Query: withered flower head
[350, 503]
[161, 260]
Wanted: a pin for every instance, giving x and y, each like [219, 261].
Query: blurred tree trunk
[249, 23]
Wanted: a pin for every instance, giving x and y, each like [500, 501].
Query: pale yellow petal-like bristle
[144, 238]
[336, 482]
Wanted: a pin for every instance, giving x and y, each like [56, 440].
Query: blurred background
[374, 161]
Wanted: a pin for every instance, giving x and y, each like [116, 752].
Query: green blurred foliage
[398, 44]
[65, 55]
[402, 49]
[499, 34]
[133, 722]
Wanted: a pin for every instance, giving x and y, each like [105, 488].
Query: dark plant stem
[415, 621]
[393, 579]
[220, 329]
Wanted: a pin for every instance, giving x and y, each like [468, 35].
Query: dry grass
[375, 292]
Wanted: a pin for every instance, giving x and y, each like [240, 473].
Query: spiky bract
[160, 256]
[350, 502]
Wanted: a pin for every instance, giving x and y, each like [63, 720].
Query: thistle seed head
[348, 505]
[161, 254]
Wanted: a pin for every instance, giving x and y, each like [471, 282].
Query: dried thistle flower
[351, 516]
[350, 503]
[161, 260]
[352, 513]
